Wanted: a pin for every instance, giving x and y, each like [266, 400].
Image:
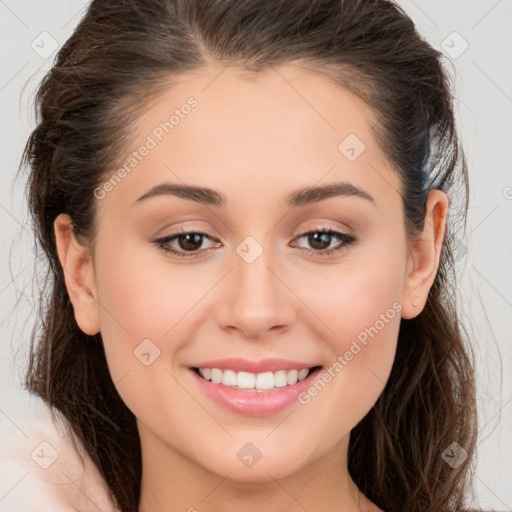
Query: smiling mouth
[254, 382]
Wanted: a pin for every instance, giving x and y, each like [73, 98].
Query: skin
[245, 132]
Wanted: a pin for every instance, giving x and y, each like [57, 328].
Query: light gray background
[483, 88]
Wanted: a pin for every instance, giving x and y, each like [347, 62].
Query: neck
[171, 483]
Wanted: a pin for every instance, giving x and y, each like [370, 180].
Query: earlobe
[424, 255]
[78, 269]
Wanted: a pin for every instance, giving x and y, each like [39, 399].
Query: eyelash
[345, 239]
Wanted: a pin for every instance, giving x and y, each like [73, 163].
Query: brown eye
[184, 244]
[190, 241]
[319, 241]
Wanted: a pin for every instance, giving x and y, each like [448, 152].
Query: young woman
[246, 210]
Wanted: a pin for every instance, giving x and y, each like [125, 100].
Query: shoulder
[40, 469]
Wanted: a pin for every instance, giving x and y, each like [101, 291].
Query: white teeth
[280, 380]
[253, 381]
[292, 377]
[206, 373]
[217, 375]
[265, 380]
[246, 380]
[303, 374]
[229, 378]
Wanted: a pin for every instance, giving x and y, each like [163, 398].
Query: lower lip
[256, 403]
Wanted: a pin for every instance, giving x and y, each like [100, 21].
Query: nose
[256, 299]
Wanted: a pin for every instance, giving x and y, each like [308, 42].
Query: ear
[424, 254]
[78, 269]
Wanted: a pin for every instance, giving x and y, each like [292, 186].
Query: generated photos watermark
[151, 142]
[342, 360]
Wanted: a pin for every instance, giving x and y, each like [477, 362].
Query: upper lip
[245, 365]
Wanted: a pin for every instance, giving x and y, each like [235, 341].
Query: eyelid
[323, 227]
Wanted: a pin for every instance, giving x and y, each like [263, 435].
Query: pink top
[41, 470]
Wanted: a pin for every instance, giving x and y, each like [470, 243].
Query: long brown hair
[120, 56]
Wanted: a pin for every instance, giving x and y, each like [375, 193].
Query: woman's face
[256, 295]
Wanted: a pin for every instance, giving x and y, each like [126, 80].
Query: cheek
[360, 308]
[354, 296]
[144, 297]
[142, 306]
[139, 300]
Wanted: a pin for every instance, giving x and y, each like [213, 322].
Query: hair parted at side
[120, 56]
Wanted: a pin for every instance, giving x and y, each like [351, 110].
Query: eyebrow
[209, 197]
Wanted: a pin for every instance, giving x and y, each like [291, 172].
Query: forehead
[283, 105]
[256, 133]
